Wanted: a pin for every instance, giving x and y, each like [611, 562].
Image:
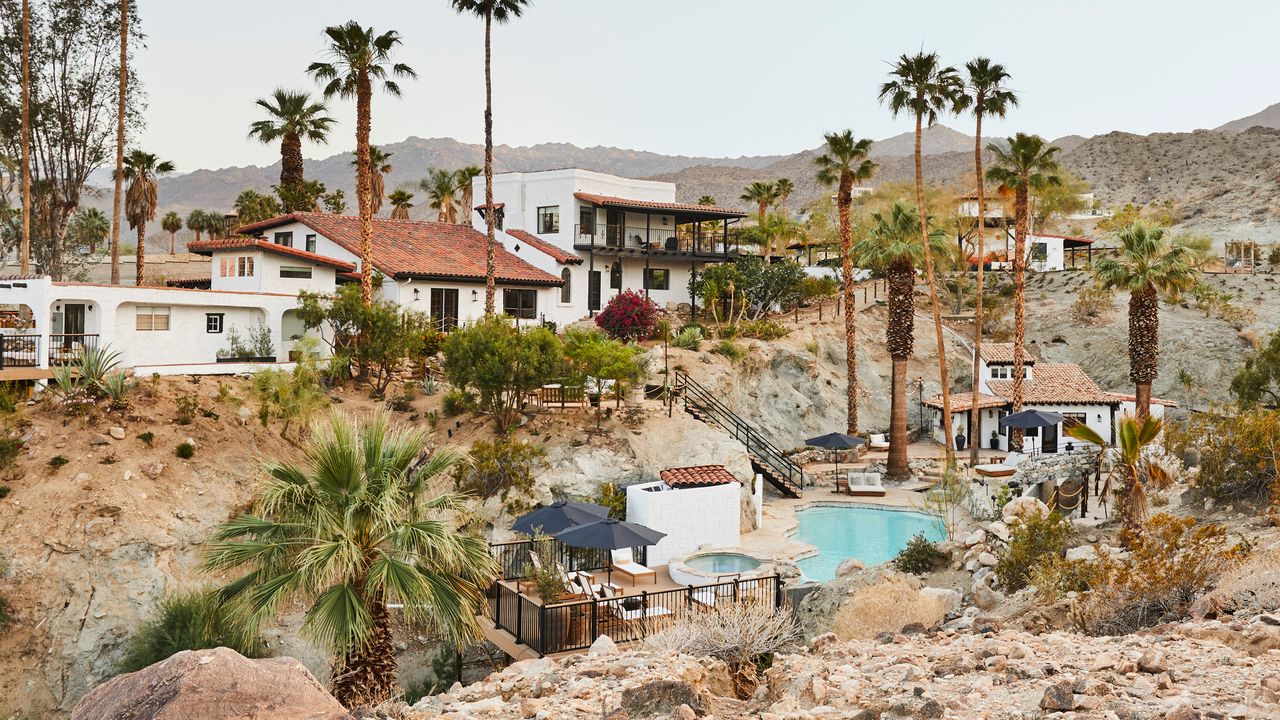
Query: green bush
[498, 467]
[5, 616]
[690, 338]
[762, 330]
[919, 556]
[4, 491]
[185, 450]
[1032, 540]
[9, 449]
[730, 349]
[456, 401]
[185, 621]
[58, 461]
[188, 406]
[147, 437]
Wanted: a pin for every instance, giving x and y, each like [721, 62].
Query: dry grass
[885, 606]
[1251, 587]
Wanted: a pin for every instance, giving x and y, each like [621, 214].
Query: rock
[662, 697]
[1023, 506]
[948, 598]
[244, 414]
[191, 442]
[1183, 712]
[212, 683]
[152, 469]
[977, 537]
[684, 712]
[1084, 552]
[987, 559]
[604, 645]
[1153, 661]
[849, 566]
[99, 439]
[1000, 530]
[985, 598]
[1058, 696]
[116, 432]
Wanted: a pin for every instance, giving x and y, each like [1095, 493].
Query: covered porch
[621, 227]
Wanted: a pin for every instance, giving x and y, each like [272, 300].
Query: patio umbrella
[1031, 419]
[558, 516]
[835, 441]
[609, 534]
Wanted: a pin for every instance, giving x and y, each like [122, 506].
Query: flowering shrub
[628, 316]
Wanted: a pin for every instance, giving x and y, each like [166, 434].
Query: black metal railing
[575, 625]
[19, 351]
[65, 348]
[656, 240]
[513, 557]
[786, 475]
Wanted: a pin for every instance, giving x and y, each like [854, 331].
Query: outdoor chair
[861, 484]
[879, 441]
[624, 563]
[631, 609]
[671, 244]
[1001, 469]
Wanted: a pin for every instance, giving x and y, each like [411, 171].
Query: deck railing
[65, 348]
[19, 351]
[655, 240]
[513, 556]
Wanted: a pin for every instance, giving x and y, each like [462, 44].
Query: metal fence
[19, 351]
[513, 557]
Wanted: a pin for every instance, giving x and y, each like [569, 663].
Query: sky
[702, 77]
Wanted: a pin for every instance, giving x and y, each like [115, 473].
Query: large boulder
[207, 684]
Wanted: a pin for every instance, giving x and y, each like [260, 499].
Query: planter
[262, 359]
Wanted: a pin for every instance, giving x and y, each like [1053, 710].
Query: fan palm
[985, 94]
[920, 85]
[380, 162]
[90, 226]
[1133, 435]
[491, 11]
[215, 225]
[171, 223]
[252, 206]
[348, 530]
[785, 187]
[197, 222]
[141, 170]
[844, 163]
[441, 186]
[401, 202]
[1148, 265]
[706, 200]
[292, 117]
[1027, 164]
[763, 194]
[463, 178]
[359, 59]
[894, 248]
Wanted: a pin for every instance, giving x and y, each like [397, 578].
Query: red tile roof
[1056, 383]
[993, 352]
[416, 249]
[208, 247]
[560, 255]
[650, 205]
[697, 476]
[963, 402]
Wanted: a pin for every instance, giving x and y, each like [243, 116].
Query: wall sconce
[1099, 417]
[474, 295]
[416, 294]
[664, 220]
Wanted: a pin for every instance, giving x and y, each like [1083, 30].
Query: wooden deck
[25, 373]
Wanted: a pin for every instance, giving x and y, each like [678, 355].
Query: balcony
[65, 348]
[19, 351]
[657, 241]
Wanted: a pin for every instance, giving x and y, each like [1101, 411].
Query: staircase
[766, 458]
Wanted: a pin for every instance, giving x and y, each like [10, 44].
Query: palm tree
[171, 223]
[90, 227]
[401, 202]
[844, 163]
[197, 222]
[1027, 164]
[986, 94]
[292, 116]
[347, 531]
[119, 173]
[1148, 266]
[25, 249]
[463, 177]
[215, 225]
[491, 11]
[358, 60]
[252, 206]
[894, 249]
[763, 194]
[920, 85]
[141, 170]
[785, 187]
[380, 162]
[706, 200]
[1136, 469]
[440, 186]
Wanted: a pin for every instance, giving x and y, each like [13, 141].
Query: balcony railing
[65, 348]
[19, 351]
[513, 556]
[655, 240]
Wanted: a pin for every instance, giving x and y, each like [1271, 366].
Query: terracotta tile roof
[963, 402]
[1069, 238]
[650, 205]
[1056, 383]
[1003, 353]
[208, 247]
[697, 476]
[1121, 397]
[560, 255]
[416, 249]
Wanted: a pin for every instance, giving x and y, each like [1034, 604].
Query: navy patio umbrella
[835, 441]
[609, 534]
[559, 516]
[1028, 419]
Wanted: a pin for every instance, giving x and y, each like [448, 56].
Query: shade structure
[609, 534]
[558, 516]
[1031, 419]
[835, 441]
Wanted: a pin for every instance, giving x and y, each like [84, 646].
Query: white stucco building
[696, 507]
[1045, 252]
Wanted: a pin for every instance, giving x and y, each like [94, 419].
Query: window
[657, 279]
[1070, 420]
[213, 322]
[311, 243]
[295, 271]
[152, 317]
[566, 294]
[521, 304]
[1004, 429]
[587, 220]
[284, 238]
[444, 308]
[549, 219]
[1039, 252]
[244, 266]
[615, 276]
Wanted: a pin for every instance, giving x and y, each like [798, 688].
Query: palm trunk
[467, 205]
[900, 340]
[490, 268]
[933, 301]
[762, 209]
[120, 107]
[364, 186]
[1019, 305]
[1144, 347]
[172, 243]
[367, 676]
[975, 413]
[844, 199]
[290, 161]
[140, 266]
[896, 465]
[25, 251]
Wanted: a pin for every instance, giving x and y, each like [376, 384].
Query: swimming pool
[872, 535]
[723, 563]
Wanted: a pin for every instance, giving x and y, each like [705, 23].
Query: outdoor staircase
[766, 459]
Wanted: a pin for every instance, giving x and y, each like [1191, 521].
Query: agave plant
[94, 364]
[117, 385]
[66, 382]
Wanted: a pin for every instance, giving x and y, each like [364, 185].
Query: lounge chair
[879, 441]
[623, 563]
[1001, 469]
[861, 484]
[599, 591]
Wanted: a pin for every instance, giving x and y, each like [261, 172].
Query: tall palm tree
[844, 163]
[785, 187]
[117, 197]
[216, 225]
[25, 248]
[141, 170]
[491, 11]
[89, 227]
[985, 94]
[171, 223]
[440, 186]
[252, 206]
[350, 529]
[359, 59]
[291, 117]
[763, 194]
[401, 202]
[1135, 467]
[922, 86]
[197, 222]
[1148, 266]
[1027, 164]
[893, 247]
[463, 177]
[380, 162]
[707, 200]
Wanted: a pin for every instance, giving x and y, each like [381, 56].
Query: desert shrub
[6, 615]
[628, 316]
[58, 461]
[1239, 453]
[444, 673]
[1258, 381]
[812, 347]
[1273, 256]
[1091, 304]
[185, 621]
[1054, 577]
[498, 467]
[257, 344]
[185, 450]
[888, 605]
[401, 403]
[1034, 538]
[9, 449]
[1171, 562]
[4, 491]
[762, 329]
[730, 349]
[456, 401]
[1250, 587]
[689, 338]
[147, 437]
[744, 635]
[290, 395]
[919, 556]
[500, 363]
[187, 406]
[10, 398]
[610, 495]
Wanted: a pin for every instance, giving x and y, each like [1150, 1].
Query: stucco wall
[691, 517]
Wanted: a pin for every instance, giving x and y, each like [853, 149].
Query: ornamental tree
[501, 363]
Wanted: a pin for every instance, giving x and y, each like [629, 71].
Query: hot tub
[713, 566]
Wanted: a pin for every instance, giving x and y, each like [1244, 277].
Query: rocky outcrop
[217, 683]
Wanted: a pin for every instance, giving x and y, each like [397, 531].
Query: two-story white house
[602, 234]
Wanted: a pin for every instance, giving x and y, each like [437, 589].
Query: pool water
[722, 563]
[872, 535]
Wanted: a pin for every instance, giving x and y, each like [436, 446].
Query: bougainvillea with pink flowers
[628, 316]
